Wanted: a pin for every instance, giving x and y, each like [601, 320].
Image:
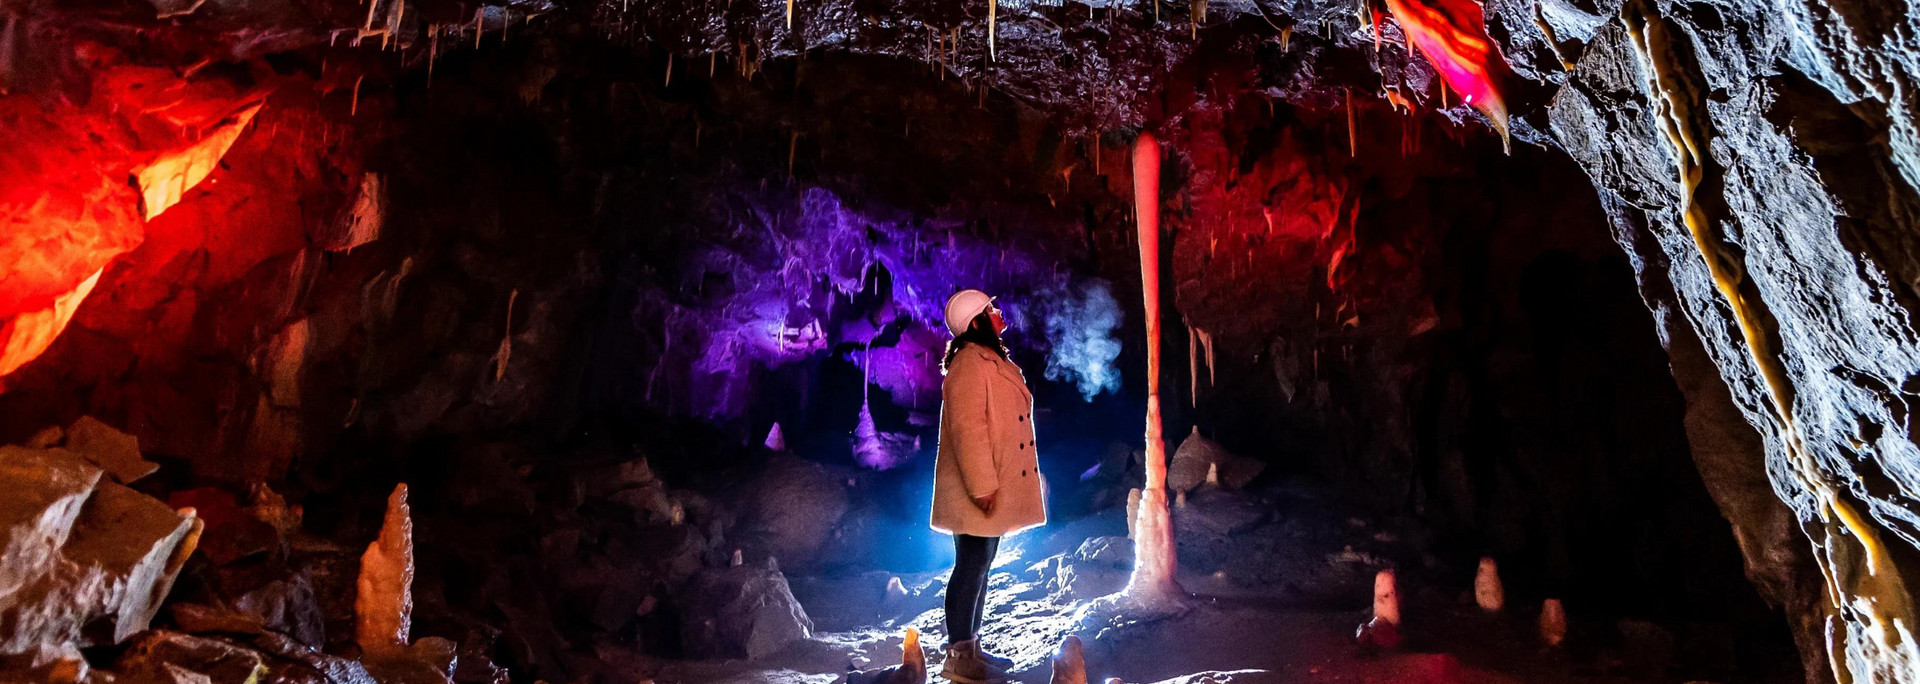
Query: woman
[986, 481]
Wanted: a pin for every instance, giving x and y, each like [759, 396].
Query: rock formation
[383, 608]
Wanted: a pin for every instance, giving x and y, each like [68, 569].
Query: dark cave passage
[610, 350]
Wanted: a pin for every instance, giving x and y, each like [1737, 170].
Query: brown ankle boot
[965, 666]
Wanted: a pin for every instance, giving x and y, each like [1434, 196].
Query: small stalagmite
[1553, 622]
[1386, 598]
[384, 607]
[1383, 631]
[1070, 662]
[1486, 587]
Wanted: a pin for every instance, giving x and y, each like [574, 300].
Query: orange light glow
[1452, 35]
[172, 175]
[27, 335]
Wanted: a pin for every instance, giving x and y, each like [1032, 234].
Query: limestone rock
[744, 611]
[160, 656]
[295, 662]
[114, 451]
[1070, 662]
[51, 609]
[287, 606]
[383, 608]
[131, 538]
[1192, 460]
[794, 506]
[195, 618]
[46, 489]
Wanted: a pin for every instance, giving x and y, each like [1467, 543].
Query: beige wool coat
[986, 447]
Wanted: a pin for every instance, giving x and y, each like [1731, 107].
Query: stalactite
[1286, 36]
[1866, 591]
[993, 9]
[669, 80]
[505, 352]
[1353, 128]
[354, 109]
[1553, 42]
[1193, 367]
[1452, 35]
[789, 15]
[479, 25]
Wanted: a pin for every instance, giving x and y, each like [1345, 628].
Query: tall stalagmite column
[1153, 583]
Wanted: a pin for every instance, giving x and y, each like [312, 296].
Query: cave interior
[597, 341]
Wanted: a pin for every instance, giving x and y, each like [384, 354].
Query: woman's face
[999, 324]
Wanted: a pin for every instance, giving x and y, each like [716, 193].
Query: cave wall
[258, 303]
[1803, 197]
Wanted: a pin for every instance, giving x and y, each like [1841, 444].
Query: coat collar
[1007, 370]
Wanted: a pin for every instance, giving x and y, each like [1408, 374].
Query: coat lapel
[1012, 374]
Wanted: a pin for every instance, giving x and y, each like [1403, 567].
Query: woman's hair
[979, 332]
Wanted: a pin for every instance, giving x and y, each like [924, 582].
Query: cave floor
[1272, 603]
[1240, 640]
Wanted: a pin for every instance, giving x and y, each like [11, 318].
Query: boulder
[1192, 460]
[232, 533]
[1218, 513]
[50, 610]
[196, 618]
[287, 606]
[45, 491]
[793, 507]
[132, 538]
[114, 451]
[295, 663]
[744, 611]
[162, 656]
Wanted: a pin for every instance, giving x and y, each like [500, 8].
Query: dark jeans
[967, 586]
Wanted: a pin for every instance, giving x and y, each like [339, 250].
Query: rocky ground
[632, 580]
[1280, 584]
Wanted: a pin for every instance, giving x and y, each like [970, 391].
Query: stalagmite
[1386, 598]
[1153, 584]
[384, 607]
[1383, 631]
[776, 439]
[1553, 623]
[1069, 662]
[1486, 587]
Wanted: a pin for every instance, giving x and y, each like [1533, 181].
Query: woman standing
[986, 481]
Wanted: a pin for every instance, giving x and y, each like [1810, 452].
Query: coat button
[1023, 472]
[1023, 418]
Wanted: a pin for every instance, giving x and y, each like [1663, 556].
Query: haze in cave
[1296, 341]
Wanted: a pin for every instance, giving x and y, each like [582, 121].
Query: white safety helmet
[962, 307]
